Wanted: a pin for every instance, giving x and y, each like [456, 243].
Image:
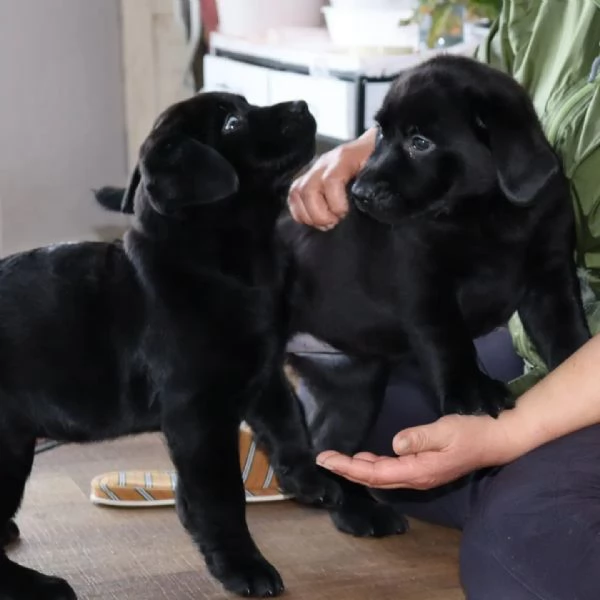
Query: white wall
[62, 127]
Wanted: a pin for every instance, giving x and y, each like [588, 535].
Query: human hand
[429, 455]
[318, 198]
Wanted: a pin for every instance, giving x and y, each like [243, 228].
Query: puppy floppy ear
[178, 171]
[525, 163]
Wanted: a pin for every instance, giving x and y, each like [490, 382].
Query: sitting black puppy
[461, 217]
[178, 330]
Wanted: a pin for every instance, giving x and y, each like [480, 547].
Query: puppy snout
[295, 118]
[298, 107]
[363, 192]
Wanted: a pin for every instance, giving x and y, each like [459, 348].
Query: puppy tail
[111, 198]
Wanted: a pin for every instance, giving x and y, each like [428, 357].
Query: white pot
[247, 18]
[366, 28]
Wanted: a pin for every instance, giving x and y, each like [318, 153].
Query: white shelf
[311, 49]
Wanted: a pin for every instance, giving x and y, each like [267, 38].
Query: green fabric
[535, 367]
[549, 47]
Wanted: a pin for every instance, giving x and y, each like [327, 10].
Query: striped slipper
[151, 488]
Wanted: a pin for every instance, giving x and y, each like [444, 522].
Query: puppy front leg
[211, 500]
[440, 340]
[278, 424]
[342, 396]
[552, 312]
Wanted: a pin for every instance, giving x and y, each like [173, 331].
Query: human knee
[534, 532]
[484, 573]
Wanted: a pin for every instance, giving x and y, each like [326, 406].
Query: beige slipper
[135, 489]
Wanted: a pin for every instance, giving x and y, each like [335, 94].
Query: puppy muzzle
[363, 195]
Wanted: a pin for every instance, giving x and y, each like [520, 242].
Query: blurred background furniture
[343, 90]
[275, 50]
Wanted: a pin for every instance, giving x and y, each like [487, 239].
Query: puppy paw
[309, 484]
[20, 583]
[484, 396]
[54, 588]
[369, 519]
[9, 533]
[249, 576]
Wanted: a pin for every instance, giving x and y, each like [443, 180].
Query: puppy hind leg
[16, 460]
[18, 582]
[211, 501]
[9, 533]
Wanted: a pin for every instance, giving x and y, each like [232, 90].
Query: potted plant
[446, 17]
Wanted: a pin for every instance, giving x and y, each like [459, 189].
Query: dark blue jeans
[531, 529]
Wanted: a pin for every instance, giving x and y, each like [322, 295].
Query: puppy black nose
[299, 107]
[362, 192]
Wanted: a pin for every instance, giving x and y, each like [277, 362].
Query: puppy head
[209, 147]
[452, 131]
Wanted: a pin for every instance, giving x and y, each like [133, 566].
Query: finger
[425, 438]
[399, 485]
[322, 457]
[368, 456]
[316, 206]
[294, 212]
[389, 486]
[413, 482]
[303, 215]
[389, 471]
[297, 209]
[335, 193]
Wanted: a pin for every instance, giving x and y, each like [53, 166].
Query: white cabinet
[331, 101]
[223, 74]
[375, 92]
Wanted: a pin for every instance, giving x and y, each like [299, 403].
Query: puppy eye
[232, 122]
[419, 143]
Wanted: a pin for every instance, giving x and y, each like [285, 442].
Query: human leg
[408, 403]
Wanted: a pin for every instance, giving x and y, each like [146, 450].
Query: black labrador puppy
[178, 330]
[461, 217]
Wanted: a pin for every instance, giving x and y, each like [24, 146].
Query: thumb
[417, 439]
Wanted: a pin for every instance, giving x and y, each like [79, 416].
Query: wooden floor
[134, 554]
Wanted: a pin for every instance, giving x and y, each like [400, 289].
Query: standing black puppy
[461, 217]
[178, 330]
